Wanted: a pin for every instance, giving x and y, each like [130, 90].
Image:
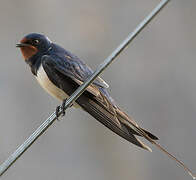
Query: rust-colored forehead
[24, 40]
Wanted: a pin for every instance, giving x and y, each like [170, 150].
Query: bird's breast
[46, 84]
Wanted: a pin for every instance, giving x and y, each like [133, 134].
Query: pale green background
[154, 80]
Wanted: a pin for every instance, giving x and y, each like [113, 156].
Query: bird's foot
[57, 112]
[61, 108]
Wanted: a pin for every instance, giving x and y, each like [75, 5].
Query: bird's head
[33, 43]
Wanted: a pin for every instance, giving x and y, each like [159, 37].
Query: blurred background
[155, 84]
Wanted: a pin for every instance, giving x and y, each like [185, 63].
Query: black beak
[22, 45]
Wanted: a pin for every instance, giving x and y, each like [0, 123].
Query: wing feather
[95, 103]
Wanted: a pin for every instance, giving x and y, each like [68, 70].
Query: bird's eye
[36, 41]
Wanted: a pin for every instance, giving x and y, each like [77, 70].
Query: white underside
[45, 83]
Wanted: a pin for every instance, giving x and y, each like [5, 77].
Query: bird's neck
[34, 63]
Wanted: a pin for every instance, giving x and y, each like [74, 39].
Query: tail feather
[99, 112]
[102, 109]
[137, 141]
[103, 116]
[148, 136]
[152, 136]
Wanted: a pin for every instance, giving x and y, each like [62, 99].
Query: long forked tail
[135, 127]
[116, 120]
[120, 123]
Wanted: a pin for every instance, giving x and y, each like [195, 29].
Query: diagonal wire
[48, 122]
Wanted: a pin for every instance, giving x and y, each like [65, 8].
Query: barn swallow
[60, 73]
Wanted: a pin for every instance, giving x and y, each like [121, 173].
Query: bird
[60, 73]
